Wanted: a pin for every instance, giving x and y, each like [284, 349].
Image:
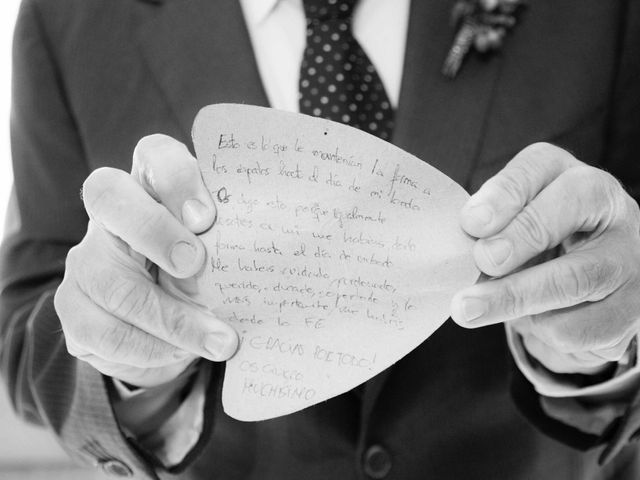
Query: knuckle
[73, 258]
[68, 313]
[530, 157]
[152, 224]
[589, 279]
[613, 195]
[76, 261]
[142, 303]
[511, 301]
[513, 185]
[175, 154]
[76, 334]
[145, 158]
[607, 183]
[602, 189]
[125, 344]
[60, 300]
[632, 214]
[176, 323]
[72, 347]
[535, 157]
[150, 354]
[129, 299]
[115, 342]
[540, 149]
[157, 141]
[98, 189]
[603, 277]
[615, 353]
[170, 169]
[156, 148]
[539, 156]
[81, 271]
[568, 282]
[531, 229]
[118, 296]
[156, 353]
[534, 153]
[75, 328]
[181, 177]
[585, 175]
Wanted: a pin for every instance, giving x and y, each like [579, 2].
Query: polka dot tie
[337, 79]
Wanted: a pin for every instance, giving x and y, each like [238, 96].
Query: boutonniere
[482, 25]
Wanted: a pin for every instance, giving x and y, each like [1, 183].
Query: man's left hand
[578, 310]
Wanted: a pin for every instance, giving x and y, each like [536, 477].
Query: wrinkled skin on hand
[113, 313]
[579, 309]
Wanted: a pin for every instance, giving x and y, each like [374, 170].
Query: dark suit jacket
[93, 76]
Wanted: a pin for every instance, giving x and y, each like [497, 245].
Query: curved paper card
[334, 254]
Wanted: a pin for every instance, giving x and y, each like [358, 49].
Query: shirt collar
[256, 11]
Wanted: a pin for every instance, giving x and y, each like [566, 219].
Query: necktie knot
[323, 10]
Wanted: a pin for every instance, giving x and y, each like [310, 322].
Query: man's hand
[579, 310]
[113, 313]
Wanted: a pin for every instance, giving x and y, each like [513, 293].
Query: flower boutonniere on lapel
[481, 25]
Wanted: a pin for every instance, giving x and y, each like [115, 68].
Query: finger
[140, 302]
[96, 332]
[562, 363]
[118, 204]
[581, 199]
[618, 352]
[502, 197]
[169, 173]
[564, 360]
[601, 329]
[589, 334]
[140, 377]
[580, 276]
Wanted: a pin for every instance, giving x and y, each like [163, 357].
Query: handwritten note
[334, 254]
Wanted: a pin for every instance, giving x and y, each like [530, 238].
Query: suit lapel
[200, 53]
[439, 120]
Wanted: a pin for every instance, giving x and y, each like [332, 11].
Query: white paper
[334, 254]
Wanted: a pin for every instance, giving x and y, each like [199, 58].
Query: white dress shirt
[278, 34]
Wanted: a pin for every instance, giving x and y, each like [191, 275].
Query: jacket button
[116, 468]
[376, 462]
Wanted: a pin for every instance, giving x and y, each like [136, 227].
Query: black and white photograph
[320, 239]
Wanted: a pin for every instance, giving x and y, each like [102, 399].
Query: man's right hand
[113, 313]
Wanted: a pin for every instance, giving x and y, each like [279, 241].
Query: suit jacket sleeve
[622, 159]
[48, 386]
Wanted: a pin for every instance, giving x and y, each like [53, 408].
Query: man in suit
[110, 367]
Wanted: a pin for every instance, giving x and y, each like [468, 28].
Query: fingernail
[183, 254]
[218, 345]
[481, 214]
[498, 250]
[474, 308]
[194, 213]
